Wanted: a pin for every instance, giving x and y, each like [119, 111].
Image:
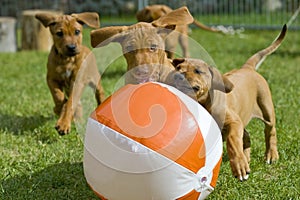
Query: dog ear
[149, 13]
[168, 22]
[157, 13]
[180, 16]
[89, 18]
[104, 36]
[177, 61]
[220, 82]
[144, 15]
[228, 84]
[46, 18]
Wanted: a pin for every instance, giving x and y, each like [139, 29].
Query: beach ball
[151, 141]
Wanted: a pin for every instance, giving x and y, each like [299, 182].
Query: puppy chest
[65, 72]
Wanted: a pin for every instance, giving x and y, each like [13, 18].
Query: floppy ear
[46, 18]
[104, 36]
[89, 18]
[157, 13]
[148, 14]
[168, 22]
[180, 16]
[177, 61]
[220, 82]
[144, 15]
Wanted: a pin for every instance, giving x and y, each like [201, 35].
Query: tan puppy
[143, 45]
[153, 12]
[233, 99]
[70, 61]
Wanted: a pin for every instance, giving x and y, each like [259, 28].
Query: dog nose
[71, 47]
[179, 76]
[140, 71]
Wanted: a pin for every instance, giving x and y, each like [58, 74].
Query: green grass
[37, 163]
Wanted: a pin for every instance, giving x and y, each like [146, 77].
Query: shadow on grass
[19, 124]
[59, 181]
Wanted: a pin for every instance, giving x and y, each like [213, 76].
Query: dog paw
[271, 156]
[63, 128]
[240, 168]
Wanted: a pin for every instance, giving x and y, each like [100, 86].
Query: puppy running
[154, 12]
[143, 45]
[233, 99]
[70, 61]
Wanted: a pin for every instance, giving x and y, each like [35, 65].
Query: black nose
[179, 76]
[71, 47]
[141, 70]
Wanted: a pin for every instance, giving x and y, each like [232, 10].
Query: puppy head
[197, 79]
[143, 43]
[66, 30]
[152, 12]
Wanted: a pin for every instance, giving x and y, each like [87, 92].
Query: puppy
[153, 12]
[71, 66]
[233, 99]
[143, 45]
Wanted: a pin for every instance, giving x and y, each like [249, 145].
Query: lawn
[37, 163]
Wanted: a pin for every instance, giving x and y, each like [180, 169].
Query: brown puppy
[70, 61]
[143, 45]
[233, 99]
[153, 12]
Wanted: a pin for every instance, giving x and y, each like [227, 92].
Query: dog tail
[257, 59]
[204, 27]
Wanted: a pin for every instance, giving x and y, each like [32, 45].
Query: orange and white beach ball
[151, 141]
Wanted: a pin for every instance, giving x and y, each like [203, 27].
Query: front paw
[240, 168]
[63, 127]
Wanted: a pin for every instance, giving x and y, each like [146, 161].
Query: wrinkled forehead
[197, 64]
[142, 34]
[66, 21]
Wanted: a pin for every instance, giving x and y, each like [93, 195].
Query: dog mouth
[142, 74]
[181, 83]
[72, 53]
[184, 86]
[71, 50]
[190, 88]
[143, 79]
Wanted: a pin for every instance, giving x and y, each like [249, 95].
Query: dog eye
[178, 68]
[197, 71]
[153, 47]
[196, 88]
[59, 33]
[77, 32]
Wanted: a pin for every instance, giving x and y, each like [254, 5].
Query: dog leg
[268, 116]
[271, 154]
[63, 125]
[99, 92]
[246, 145]
[238, 161]
[57, 95]
[171, 42]
[78, 112]
[184, 43]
